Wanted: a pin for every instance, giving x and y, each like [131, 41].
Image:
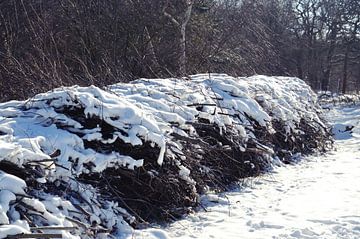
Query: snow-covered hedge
[93, 161]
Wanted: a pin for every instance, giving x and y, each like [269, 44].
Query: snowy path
[318, 198]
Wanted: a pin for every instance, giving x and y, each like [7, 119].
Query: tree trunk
[299, 64]
[326, 76]
[345, 69]
[181, 26]
[358, 79]
[182, 57]
[150, 52]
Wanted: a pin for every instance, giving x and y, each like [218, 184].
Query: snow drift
[87, 162]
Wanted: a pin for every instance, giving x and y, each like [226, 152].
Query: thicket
[45, 44]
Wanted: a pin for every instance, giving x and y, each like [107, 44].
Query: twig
[52, 228]
[36, 235]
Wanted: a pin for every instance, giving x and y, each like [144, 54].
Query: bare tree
[350, 37]
[180, 24]
[45, 44]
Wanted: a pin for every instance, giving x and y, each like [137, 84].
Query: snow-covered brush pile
[328, 100]
[85, 162]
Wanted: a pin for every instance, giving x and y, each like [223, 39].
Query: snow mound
[96, 160]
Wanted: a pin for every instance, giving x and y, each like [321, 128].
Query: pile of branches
[328, 99]
[112, 156]
[152, 192]
[44, 207]
[307, 139]
[215, 160]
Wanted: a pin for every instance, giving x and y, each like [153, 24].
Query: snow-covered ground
[318, 198]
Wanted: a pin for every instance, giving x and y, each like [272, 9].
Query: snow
[9, 230]
[223, 100]
[5, 198]
[317, 198]
[11, 183]
[143, 111]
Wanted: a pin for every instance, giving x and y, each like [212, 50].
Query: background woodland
[47, 44]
